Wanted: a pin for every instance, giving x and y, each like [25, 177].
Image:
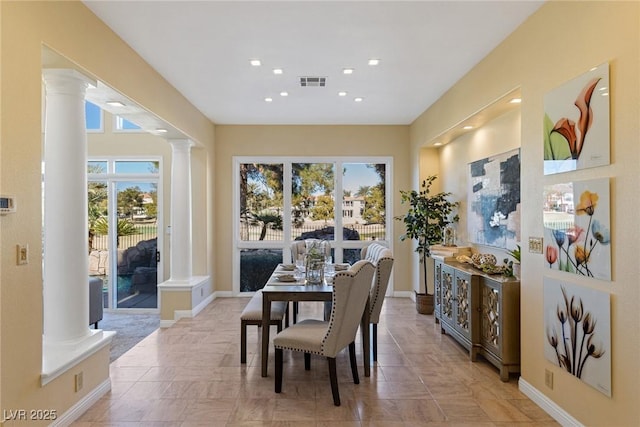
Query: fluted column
[181, 256]
[66, 290]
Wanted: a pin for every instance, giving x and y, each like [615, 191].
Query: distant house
[352, 209]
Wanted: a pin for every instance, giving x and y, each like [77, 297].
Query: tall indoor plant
[427, 216]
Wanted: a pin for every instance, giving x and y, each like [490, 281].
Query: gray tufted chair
[328, 338]
[382, 258]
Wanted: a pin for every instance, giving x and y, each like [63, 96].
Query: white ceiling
[203, 49]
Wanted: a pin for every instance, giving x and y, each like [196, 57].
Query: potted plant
[515, 254]
[425, 220]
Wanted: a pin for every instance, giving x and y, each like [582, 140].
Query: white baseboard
[404, 294]
[548, 405]
[205, 302]
[179, 314]
[83, 405]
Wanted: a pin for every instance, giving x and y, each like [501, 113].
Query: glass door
[137, 245]
[123, 231]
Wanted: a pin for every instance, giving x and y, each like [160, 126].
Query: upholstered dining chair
[382, 258]
[252, 315]
[327, 338]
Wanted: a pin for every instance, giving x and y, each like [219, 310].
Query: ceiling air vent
[312, 81]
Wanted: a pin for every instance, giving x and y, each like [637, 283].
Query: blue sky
[358, 175]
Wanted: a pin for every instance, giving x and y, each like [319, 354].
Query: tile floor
[190, 375]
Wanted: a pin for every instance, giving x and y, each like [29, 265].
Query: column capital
[184, 144]
[66, 80]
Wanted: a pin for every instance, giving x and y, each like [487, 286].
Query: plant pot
[424, 303]
[516, 270]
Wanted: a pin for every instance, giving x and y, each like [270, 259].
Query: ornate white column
[181, 256]
[66, 290]
[66, 337]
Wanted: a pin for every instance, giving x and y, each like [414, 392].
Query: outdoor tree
[363, 191]
[97, 204]
[374, 206]
[266, 220]
[130, 198]
[323, 208]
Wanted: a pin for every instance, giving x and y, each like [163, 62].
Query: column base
[59, 357]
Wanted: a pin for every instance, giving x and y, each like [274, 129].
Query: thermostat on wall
[7, 205]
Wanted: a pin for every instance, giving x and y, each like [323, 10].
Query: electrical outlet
[22, 254]
[535, 245]
[79, 381]
[548, 378]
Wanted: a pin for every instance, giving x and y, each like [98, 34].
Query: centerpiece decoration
[315, 261]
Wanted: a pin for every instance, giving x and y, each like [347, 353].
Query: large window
[341, 200]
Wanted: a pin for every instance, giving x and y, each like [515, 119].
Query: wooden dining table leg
[266, 311]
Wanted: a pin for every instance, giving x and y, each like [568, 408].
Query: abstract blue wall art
[494, 200]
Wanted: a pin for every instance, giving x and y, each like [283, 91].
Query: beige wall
[73, 31]
[307, 141]
[561, 41]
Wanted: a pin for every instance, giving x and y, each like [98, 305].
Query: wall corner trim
[548, 405]
[83, 404]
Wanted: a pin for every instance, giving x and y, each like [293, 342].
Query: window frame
[338, 243]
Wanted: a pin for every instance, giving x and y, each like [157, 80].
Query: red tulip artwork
[576, 123]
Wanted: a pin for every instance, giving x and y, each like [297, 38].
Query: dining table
[296, 288]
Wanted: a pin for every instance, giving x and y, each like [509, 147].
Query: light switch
[535, 245]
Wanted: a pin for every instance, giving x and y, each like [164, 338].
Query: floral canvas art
[577, 323]
[577, 230]
[576, 123]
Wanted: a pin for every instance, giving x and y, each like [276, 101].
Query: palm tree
[125, 227]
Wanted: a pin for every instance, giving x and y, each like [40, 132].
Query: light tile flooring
[190, 375]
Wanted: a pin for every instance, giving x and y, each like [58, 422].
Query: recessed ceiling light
[255, 62]
[267, 99]
[467, 127]
[342, 93]
[277, 71]
[358, 99]
[602, 88]
[437, 144]
[515, 101]
[374, 61]
[283, 93]
[161, 130]
[605, 94]
[115, 103]
[347, 71]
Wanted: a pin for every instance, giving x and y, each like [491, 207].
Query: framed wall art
[494, 200]
[576, 123]
[577, 324]
[577, 228]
